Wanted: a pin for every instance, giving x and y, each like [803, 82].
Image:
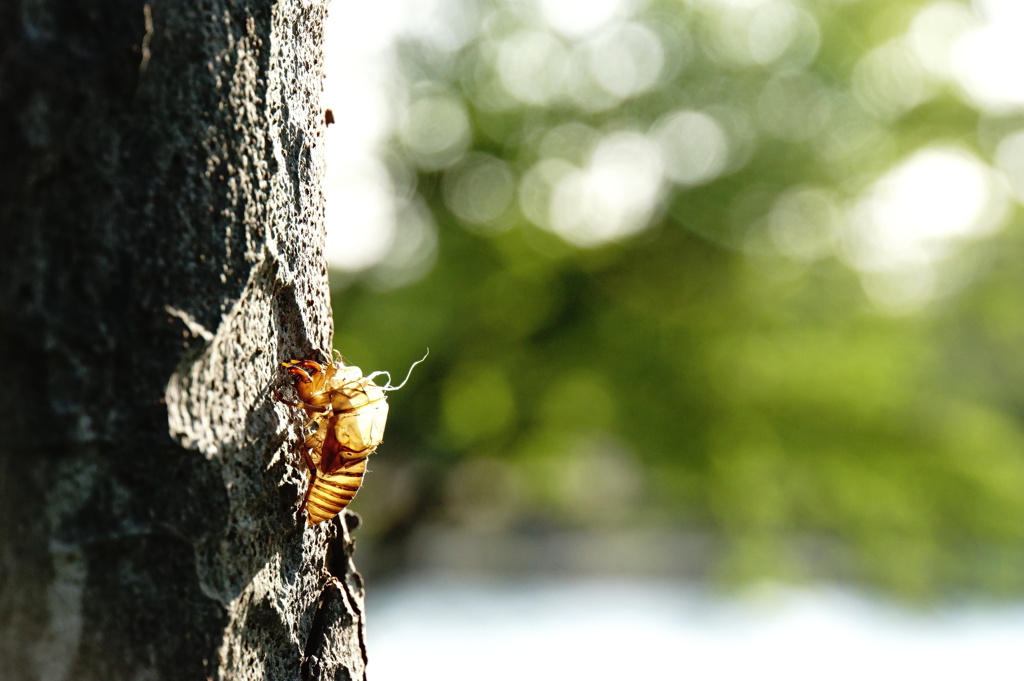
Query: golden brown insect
[348, 412]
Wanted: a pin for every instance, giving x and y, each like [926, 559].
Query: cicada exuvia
[347, 413]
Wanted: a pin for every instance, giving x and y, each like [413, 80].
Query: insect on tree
[347, 414]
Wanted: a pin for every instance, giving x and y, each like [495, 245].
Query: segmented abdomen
[331, 492]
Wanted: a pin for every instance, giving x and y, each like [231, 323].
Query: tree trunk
[161, 254]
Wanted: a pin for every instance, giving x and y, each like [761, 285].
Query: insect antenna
[389, 387]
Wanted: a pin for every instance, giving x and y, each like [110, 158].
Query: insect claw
[297, 370]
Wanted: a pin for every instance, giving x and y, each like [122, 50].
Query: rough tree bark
[161, 254]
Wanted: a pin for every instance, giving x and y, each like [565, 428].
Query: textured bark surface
[162, 224]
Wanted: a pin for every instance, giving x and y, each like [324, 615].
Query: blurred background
[725, 305]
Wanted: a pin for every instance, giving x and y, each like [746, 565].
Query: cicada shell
[347, 412]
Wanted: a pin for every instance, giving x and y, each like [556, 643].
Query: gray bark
[161, 254]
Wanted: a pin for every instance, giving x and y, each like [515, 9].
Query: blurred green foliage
[702, 369]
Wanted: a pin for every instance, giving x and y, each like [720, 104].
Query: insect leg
[309, 488]
[280, 398]
[314, 442]
[307, 459]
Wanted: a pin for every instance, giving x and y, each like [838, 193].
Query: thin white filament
[389, 387]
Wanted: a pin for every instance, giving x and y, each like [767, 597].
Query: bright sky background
[469, 630]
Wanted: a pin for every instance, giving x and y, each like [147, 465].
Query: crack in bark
[338, 606]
